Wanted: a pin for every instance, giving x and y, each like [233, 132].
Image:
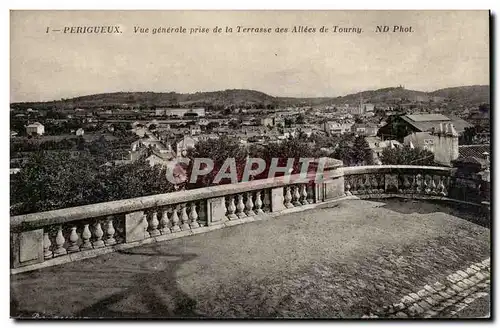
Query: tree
[407, 156]
[217, 150]
[49, 181]
[353, 151]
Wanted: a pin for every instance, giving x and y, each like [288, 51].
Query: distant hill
[384, 95]
[469, 94]
[239, 97]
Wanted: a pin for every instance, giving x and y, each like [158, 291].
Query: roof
[425, 122]
[36, 124]
[473, 151]
[428, 117]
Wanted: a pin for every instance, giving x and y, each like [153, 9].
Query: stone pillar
[277, 199]
[135, 229]
[27, 247]
[333, 180]
[216, 211]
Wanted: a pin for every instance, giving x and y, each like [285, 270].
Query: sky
[444, 49]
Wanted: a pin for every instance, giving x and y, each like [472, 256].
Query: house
[443, 142]
[140, 131]
[267, 121]
[365, 129]
[377, 146]
[184, 144]
[79, 132]
[400, 126]
[336, 128]
[195, 130]
[35, 129]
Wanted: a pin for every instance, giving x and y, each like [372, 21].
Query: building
[443, 142]
[184, 144]
[34, 129]
[267, 121]
[400, 126]
[195, 130]
[377, 146]
[365, 129]
[336, 128]
[80, 132]
[369, 107]
[180, 112]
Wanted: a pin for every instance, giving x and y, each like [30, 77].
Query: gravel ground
[338, 262]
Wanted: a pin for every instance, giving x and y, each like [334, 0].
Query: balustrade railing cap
[329, 163]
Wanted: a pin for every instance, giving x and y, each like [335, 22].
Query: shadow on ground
[155, 294]
[466, 212]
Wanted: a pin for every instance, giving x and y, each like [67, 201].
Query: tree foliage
[353, 151]
[407, 156]
[49, 181]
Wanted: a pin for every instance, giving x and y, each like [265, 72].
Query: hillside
[466, 95]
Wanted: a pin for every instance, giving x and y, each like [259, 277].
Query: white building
[35, 129]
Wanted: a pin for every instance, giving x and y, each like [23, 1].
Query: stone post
[27, 247]
[135, 229]
[333, 180]
[277, 199]
[216, 211]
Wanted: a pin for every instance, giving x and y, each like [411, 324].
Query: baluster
[145, 224]
[304, 194]
[406, 183]
[175, 220]
[164, 226]
[419, 183]
[110, 232]
[427, 188]
[361, 185]
[347, 187]
[98, 233]
[433, 185]
[193, 215]
[73, 241]
[310, 194]
[184, 218]
[440, 187]
[296, 196]
[374, 183]
[240, 207]
[153, 225]
[368, 185]
[47, 253]
[249, 205]
[60, 250]
[86, 235]
[258, 204]
[231, 208]
[288, 198]
[267, 201]
[381, 183]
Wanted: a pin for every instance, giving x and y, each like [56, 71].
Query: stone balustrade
[428, 182]
[64, 235]
[54, 237]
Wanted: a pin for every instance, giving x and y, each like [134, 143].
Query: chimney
[452, 131]
[446, 128]
[486, 156]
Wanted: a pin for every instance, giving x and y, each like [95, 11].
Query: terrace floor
[340, 261]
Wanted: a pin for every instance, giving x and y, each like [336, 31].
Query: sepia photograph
[250, 164]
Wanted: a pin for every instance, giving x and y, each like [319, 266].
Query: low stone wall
[59, 236]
